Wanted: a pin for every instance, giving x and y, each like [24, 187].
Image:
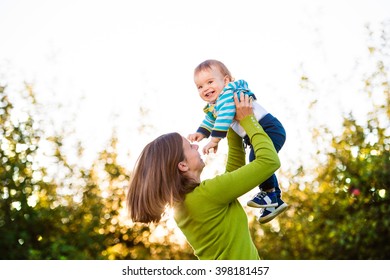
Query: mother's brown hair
[157, 181]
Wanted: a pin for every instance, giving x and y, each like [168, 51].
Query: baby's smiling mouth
[209, 94]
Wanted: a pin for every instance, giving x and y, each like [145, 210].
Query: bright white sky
[120, 54]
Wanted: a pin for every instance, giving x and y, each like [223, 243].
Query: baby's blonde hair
[208, 64]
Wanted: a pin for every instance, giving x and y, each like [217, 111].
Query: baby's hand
[195, 137]
[211, 145]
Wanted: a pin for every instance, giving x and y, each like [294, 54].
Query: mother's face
[193, 161]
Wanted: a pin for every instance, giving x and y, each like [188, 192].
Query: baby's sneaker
[264, 200]
[271, 212]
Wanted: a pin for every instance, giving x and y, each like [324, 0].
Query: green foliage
[18, 175]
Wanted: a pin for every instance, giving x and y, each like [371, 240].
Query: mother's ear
[183, 167]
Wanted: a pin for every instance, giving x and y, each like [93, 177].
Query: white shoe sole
[255, 205]
[283, 207]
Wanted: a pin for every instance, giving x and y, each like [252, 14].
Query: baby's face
[210, 83]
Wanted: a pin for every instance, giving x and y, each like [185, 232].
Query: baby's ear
[227, 80]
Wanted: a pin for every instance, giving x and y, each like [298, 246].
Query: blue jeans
[275, 130]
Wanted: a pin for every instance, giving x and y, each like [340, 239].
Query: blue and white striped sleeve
[207, 125]
[226, 111]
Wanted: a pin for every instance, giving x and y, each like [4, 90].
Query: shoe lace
[262, 194]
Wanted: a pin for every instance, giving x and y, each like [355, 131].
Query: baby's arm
[213, 144]
[203, 130]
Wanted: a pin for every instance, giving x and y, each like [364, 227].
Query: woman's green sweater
[211, 217]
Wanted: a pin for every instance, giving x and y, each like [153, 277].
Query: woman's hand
[243, 107]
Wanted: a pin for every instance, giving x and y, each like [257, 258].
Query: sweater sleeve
[236, 153]
[226, 111]
[240, 178]
[207, 124]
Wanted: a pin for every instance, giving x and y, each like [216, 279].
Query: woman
[208, 212]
